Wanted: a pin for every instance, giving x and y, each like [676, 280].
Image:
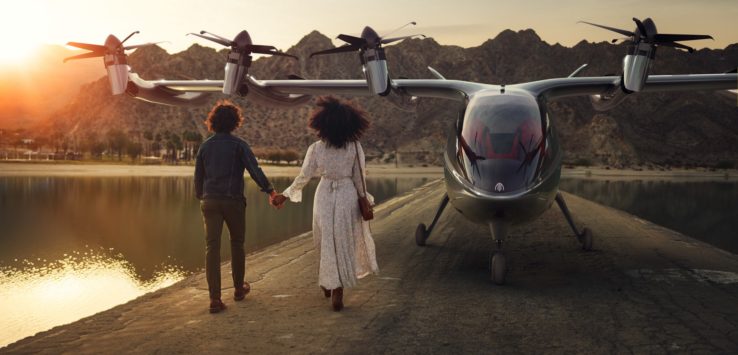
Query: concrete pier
[644, 289]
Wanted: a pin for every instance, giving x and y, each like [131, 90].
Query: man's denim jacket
[219, 168]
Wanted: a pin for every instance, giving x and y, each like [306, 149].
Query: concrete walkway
[643, 289]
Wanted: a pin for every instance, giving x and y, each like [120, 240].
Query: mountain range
[685, 128]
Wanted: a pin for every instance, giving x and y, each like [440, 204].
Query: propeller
[112, 46]
[646, 32]
[369, 40]
[242, 44]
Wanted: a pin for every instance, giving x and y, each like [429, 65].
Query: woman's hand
[277, 200]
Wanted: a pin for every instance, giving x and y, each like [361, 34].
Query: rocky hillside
[674, 128]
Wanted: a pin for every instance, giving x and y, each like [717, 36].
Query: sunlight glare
[23, 29]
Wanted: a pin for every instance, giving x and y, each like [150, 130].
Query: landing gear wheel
[421, 235]
[586, 239]
[498, 266]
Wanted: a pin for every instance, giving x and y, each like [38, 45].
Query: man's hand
[276, 200]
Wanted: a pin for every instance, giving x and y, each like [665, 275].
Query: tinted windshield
[501, 142]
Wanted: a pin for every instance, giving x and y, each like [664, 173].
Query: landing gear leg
[422, 233]
[585, 236]
[498, 263]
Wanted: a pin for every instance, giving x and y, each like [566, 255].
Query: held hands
[277, 200]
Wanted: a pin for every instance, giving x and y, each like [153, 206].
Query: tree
[291, 155]
[117, 140]
[134, 149]
[192, 143]
[96, 149]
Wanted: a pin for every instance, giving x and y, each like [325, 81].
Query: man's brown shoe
[326, 292]
[337, 299]
[241, 292]
[216, 305]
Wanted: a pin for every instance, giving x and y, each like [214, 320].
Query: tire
[421, 235]
[498, 268]
[587, 239]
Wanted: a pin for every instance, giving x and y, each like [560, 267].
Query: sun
[23, 29]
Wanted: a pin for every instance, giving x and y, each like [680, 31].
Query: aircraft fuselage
[502, 159]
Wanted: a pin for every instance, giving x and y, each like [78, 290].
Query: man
[219, 185]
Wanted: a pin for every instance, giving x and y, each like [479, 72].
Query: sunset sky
[25, 24]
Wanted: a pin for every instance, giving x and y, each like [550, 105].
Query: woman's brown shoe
[216, 305]
[326, 292]
[337, 299]
[240, 292]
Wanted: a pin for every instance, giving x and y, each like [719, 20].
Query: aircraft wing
[295, 92]
[432, 88]
[577, 86]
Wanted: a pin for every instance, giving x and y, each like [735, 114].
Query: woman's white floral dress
[342, 238]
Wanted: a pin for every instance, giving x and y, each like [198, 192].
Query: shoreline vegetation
[110, 169]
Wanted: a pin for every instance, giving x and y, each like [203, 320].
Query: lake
[74, 246]
[704, 210]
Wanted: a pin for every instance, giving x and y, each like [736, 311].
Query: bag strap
[363, 184]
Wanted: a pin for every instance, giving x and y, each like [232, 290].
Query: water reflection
[706, 210]
[79, 245]
[42, 295]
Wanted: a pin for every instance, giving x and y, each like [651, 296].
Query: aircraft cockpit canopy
[502, 142]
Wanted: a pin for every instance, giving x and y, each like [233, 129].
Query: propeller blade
[399, 28]
[622, 32]
[677, 45]
[89, 47]
[342, 49]
[280, 54]
[203, 32]
[624, 39]
[259, 48]
[356, 41]
[641, 27]
[269, 50]
[129, 36]
[228, 43]
[395, 39]
[141, 45]
[677, 37]
[85, 55]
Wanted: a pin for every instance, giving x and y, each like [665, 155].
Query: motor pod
[117, 68]
[374, 66]
[608, 100]
[236, 69]
[636, 65]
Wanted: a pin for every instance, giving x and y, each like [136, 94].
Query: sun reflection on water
[38, 295]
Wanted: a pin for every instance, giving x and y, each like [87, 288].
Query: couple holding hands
[342, 238]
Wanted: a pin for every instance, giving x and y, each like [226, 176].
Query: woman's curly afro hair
[338, 122]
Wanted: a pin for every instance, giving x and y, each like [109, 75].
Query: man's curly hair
[224, 117]
[338, 122]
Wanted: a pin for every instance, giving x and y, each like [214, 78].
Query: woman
[341, 236]
[219, 166]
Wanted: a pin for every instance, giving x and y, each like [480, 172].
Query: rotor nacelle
[371, 54]
[374, 67]
[636, 65]
[114, 58]
[239, 58]
[374, 63]
[237, 64]
[116, 64]
[643, 43]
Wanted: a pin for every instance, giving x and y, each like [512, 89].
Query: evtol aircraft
[502, 162]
